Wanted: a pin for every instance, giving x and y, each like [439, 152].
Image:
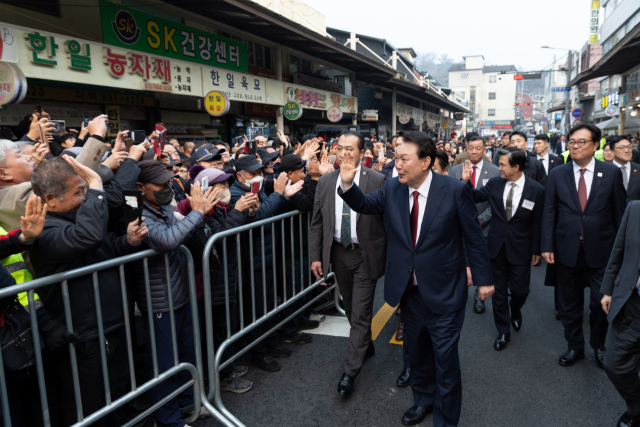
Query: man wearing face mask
[166, 234]
[267, 159]
[248, 172]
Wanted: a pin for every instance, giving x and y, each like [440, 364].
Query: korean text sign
[132, 29]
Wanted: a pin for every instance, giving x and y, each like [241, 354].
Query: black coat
[633, 189]
[534, 169]
[301, 201]
[77, 239]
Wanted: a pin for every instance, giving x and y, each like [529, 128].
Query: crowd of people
[432, 217]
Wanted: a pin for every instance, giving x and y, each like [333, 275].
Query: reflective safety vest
[16, 266]
[565, 154]
[599, 155]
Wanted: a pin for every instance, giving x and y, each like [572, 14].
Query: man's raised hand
[348, 169]
[466, 171]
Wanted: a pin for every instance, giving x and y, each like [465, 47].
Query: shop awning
[622, 57]
[612, 123]
[556, 108]
[421, 92]
[250, 17]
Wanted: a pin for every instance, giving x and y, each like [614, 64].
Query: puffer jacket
[166, 234]
[270, 206]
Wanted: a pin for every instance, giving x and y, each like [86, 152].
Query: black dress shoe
[416, 414]
[557, 315]
[266, 363]
[345, 386]
[571, 357]
[404, 378]
[501, 342]
[479, 307]
[516, 322]
[600, 358]
[371, 351]
[627, 420]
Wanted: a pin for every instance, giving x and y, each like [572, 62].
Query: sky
[504, 31]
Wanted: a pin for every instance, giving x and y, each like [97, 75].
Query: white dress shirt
[563, 144]
[625, 173]
[517, 194]
[478, 169]
[422, 204]
[545, 162]
[395, 172]
[337, 229]
[588, 175]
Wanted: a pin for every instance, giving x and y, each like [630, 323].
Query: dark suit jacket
[534, 169]
[438, 259]
[487, 172]
[554, 162]
[521, 234]
[633, 189]
[621, 274]
[387, 170]
[563, 216]
[369, 228]
[559, 149]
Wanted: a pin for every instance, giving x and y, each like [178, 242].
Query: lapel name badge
[527, 204]
[600, 174]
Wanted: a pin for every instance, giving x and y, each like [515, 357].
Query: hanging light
[633, 113]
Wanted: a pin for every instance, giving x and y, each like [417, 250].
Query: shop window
[267, 58]
[492, 112]
[492, 79]
[305, 65]
[492, 95]
[259, 56]
[462, 94]
[294, 63]
[250, 56]
[51, 7]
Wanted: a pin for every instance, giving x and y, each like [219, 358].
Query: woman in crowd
[607, 153]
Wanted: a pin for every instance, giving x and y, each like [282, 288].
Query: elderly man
[16, 169]
[75, 236]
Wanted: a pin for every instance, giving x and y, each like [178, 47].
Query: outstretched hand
[348, 169]
[466, 171]
[32, 223]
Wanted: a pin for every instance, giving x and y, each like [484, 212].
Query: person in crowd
[426, 269]
[261, 141]
[267, 160]
[548, 160]
[172, 152]
[294, 167]
[506, 142]
[621, 303]
[442, 162]
[607, 153]
[178, 184]
[552, 142]
[67, 140]
[463, 155]
[389, 170]
[74, 236]
[368, 157]
[561, 145]
[447, 149]
[533, 168]
[517, 203]
[248, 172]
[207, 159]
[223, 149]
[355, 246]
[165, 234]
[482, 172]
[584, 204]
[219, 219]
[622, 153]
[187, 150]
[183, 172]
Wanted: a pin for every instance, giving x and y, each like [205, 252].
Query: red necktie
[473, 177]
[582, 196]
[414, 233]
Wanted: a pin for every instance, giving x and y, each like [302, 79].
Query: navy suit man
[517, 203]
[427, 217]
[584, 205]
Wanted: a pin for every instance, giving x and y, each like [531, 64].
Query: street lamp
[567, 102]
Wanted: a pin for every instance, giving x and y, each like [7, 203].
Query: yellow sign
[445, 125]
[216, 103]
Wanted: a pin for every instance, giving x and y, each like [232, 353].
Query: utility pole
[567, 102]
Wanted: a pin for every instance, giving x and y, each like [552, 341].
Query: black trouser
[508, 276]
[90, 377]
[622, 358]
[260, 349]
[571, 299]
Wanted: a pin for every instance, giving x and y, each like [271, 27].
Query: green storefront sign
[292, 110]
[131, 29]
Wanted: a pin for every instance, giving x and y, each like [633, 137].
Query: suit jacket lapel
[434, 200]
[526, 193]
[364, 180]
[595, 184]
[405, 216]
[571, 181]
[500, 195]
[332, 199]
[484, 174]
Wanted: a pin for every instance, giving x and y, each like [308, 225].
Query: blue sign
[558, 116]
[577, 113]
[560, 89]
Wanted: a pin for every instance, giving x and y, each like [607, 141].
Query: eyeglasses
[580, 142]
[623, 147]
[183, 171]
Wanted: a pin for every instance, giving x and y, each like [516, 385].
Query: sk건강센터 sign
[292, 110]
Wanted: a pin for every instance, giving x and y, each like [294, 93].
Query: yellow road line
[380, 319]
[394, 340]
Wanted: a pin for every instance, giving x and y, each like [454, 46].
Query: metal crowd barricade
[215, 357]
[136, 390]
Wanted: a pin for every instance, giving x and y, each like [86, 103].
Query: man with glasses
[583, 209]
[482, 172]
[622, 153]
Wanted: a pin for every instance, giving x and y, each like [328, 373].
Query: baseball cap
[204, 155]
[291, 162]
[214, 175]
[266, 156]
[247, 163]
[154, 172]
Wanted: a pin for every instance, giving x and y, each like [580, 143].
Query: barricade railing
[135, 390]
[284, 226]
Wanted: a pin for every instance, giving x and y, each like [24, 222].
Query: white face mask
[248, 182]
[225, 198]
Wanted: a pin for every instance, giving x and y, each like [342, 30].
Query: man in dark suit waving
[584, 205]
[517, 203]
[427, 217]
